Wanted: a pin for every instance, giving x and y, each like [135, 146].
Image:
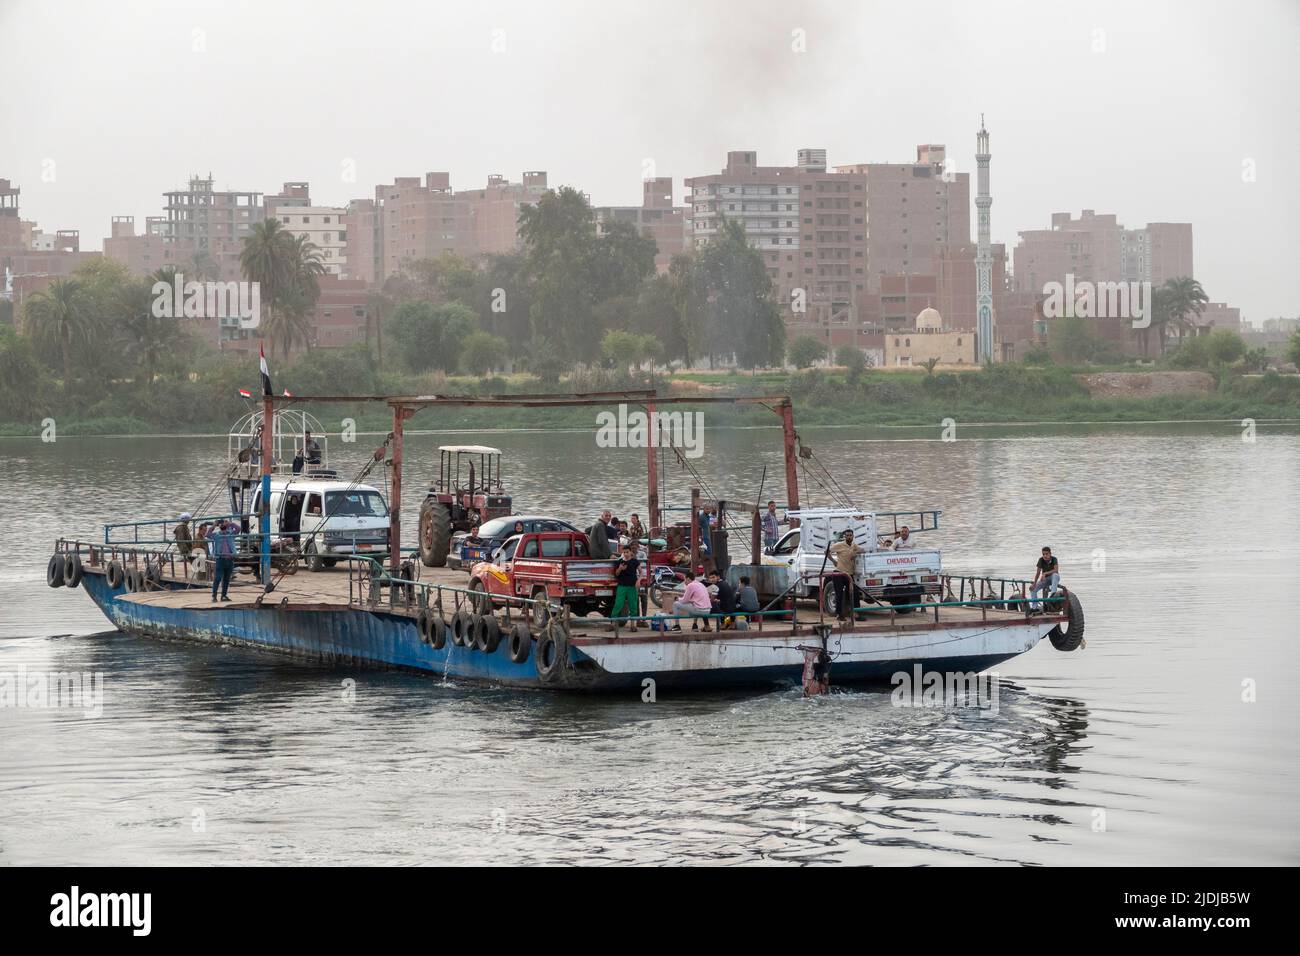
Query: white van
[329, 518]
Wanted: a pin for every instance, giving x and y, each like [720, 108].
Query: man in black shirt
[1047, 575]
[726, 603]
[625, 596]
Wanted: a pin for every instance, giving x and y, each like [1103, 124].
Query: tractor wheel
[435, 534]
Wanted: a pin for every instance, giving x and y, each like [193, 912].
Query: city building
[809, 224]
[412, 219]
[148, 252]
[656, 218]
[323, 226]
[216, 221]
[1097, 248]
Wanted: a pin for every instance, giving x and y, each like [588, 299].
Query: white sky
[114, 100]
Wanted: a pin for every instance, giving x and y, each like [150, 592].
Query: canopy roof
[470, 449]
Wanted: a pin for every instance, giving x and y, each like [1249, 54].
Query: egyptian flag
[266, 374]
[245, 393]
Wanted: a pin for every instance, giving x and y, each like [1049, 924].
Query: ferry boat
[403, 614]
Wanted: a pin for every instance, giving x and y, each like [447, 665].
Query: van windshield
[355, 504]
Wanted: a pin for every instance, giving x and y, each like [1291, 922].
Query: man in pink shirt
[694, 602]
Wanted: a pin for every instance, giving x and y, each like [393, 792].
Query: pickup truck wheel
[479, 600]
[312, 558]
[830, 601]
[541, 613]
[435, 534]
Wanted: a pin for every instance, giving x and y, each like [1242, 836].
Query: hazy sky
[1155, 111]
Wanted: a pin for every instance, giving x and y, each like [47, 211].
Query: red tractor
[468, 492]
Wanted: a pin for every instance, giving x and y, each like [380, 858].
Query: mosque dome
[929, 318]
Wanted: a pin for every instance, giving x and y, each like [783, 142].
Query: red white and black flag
[245, 393]
[266, 374]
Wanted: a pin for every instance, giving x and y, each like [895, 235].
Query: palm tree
[1185, 300]
[153, 338]
[288, 269]
[308, 267]
[287, 327]
[59, 314]
[269, 258]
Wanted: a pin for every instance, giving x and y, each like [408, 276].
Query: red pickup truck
[548, 565]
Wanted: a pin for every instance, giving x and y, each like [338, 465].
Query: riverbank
[1011, 394]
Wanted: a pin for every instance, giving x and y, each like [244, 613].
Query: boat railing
[371, 586]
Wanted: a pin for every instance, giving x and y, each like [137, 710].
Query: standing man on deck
[311, 448]
[626, 600]
[223, 550]
[845, 555]
[771, 526]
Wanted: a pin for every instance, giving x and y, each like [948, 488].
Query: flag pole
[268, 448]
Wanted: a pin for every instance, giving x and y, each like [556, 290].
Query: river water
[1171, 738]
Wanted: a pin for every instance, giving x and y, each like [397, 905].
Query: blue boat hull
[352, 637]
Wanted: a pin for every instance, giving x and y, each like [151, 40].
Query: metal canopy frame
[405, 406]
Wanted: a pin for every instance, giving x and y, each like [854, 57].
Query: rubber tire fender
[552, 655]
[115, 576]
[520, 644]
[54, 571]
[487, 634]
[1072, 636]
[72, 570]
[437, 630]
[422, 625]
[460, 627]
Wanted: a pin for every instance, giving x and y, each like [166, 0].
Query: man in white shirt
[904, 540]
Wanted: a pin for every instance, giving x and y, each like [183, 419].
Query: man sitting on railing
[1047, 575]
[311, 448]
[694, 602]
[184, 541]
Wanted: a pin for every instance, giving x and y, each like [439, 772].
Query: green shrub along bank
[210, 403]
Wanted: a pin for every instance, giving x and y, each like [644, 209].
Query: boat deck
[329, 590]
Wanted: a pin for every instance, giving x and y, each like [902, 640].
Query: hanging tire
[129, 577]
[437, 630]
[552, 655]
[460, 625]
[520, 644]
[435, 533]
[54, 571]
[312, 558]
[487, 634]
[115, 576]
[422, 625]
[1069, 638]
[72, 570]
